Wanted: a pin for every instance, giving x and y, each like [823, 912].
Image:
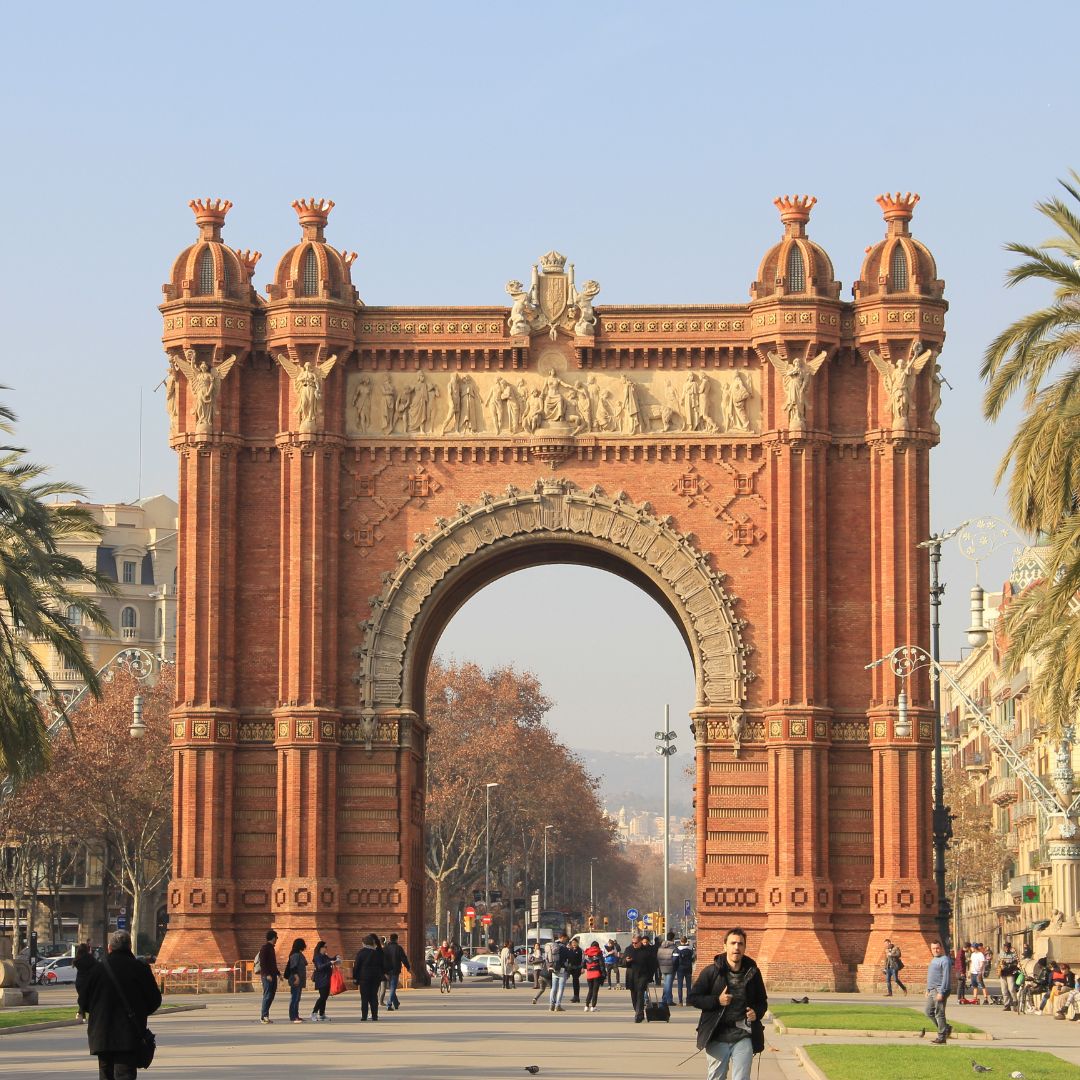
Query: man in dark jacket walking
[113, 1036]
[730, 993]
[641, 967]
[395, 958]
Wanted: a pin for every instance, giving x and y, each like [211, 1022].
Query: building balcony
[1025, 810]
[128, 633]
[1003, 902]
[1004, 790]
[977, 764]
[1023, 740]
[1015, 888]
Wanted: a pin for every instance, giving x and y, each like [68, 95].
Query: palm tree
[37, 596]
[1039, 354]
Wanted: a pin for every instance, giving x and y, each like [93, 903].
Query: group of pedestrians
[376, 970]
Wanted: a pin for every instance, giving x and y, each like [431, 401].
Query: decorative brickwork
[349, 476]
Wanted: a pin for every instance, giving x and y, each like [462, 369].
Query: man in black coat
[112, 1036]
[730, 993]
[641, 965]
[395, 958]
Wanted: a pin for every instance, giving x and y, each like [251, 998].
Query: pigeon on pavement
[976, 1067]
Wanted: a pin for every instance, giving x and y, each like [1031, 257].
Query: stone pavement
[477, 1031]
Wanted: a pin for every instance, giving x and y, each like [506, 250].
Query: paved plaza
[478, 1031]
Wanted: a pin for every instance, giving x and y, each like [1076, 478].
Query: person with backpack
[684, 971]
[667, 956]
[267, 970]
[594, 974]
[731, 995]
[557, 954]
[296, 978]
[322, 967]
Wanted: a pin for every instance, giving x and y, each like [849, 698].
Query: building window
[128, 622]
[899, 270]
[311, 273]
[796, 271]
[206, 273]
[129, 572]
[74, 615]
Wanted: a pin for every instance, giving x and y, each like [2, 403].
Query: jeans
[935, 1010]
[558, 985]
[391, 997]
[669, 983]
[891, 976]
[107, 1070]
[685, 978]
[613, 974]
[294, 1002]
[740, 1056]
[269, 987]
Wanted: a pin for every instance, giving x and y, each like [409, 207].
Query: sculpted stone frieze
[556, 507]
[467, 404]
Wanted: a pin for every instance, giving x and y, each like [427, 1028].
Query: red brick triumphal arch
[350, 475]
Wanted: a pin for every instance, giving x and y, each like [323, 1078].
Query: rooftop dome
[313, 269]
[210, 267]
[796, 266]
[899, 263]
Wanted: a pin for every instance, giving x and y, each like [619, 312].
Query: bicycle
[445, 979]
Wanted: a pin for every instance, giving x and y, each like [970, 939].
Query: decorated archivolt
[462, 404]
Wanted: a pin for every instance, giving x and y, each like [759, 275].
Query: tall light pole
[592, 899]
[666, 747]
[487, 846]
[546, 828]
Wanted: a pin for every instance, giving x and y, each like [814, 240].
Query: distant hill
[636, 781]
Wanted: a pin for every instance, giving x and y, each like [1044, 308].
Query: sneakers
[558, 1008]
[297, 1021]
[939, 1041]
[265, 1020]
[552, 1008]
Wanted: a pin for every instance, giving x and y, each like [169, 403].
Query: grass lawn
[18, 1017]
[858, 1018]
[926, 1062]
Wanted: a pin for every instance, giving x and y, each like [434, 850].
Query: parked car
[479, 965]
[60, 970]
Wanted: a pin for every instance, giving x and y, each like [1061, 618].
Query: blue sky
[644, 141]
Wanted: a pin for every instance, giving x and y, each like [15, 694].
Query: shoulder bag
[145, 1043]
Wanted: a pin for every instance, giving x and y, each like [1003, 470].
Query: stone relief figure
[740, 394]
[497, 402]
[604, 412]
[554, 402]
[671, 417]
[534, 410]
[387, 404]
[172, 401]
[361, 402]
[796, 373]
[586, 316]
[462, 405]
[308, 383]
[583, 407]
[900, 378]
[521, 311]
[705, 384]
[937, 380]
[691, 400]
[205, 383]
[630, 410]
[421, 404]
[511, 405]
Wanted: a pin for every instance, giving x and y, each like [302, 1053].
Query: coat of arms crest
[552, 301]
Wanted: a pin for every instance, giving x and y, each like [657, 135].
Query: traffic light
[469, 923]
[659, 924]
[592, 922]
[605, 922]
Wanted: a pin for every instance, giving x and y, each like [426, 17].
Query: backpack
[686, 958]
[256, 968]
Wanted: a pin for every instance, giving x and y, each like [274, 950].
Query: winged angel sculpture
[796, 373]
[205, 383]
[308, 380]
[899, 379]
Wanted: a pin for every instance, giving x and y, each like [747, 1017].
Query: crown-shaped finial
[552, 262]
[897, 207]
[210, 216]
[313, 214]
[249, 260]
[349, 257]
[795, 209]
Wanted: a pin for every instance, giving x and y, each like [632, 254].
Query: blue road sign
[121, 922]
[686, 908]
[632, 913]
[647, 920]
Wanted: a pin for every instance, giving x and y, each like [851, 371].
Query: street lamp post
[666, 747]
[487, 846]
[592, 895]
[546, 828]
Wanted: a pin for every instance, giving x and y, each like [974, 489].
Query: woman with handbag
[296, 977]
[322, 967]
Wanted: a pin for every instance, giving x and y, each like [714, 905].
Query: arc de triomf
[350, 475]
